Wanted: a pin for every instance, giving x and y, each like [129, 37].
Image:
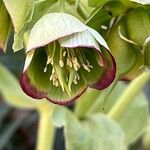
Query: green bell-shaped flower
[64, 58]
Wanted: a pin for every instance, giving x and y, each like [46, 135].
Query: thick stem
[46, 129]
[129, 94]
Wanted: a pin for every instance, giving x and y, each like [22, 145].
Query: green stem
[46, 129]
[125, 99]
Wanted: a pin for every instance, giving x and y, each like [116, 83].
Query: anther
[45, 69]
[61, 63]
[85, 67]
[64, 53]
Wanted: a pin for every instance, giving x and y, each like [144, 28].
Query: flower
[64, 58]
[5, 26]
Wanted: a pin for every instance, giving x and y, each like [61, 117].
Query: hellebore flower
[5, 26]
[64, 58]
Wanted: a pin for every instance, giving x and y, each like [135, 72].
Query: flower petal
[98, 37]
[109, 71]
[143, 2]
[36, 83]
[137, 69]
[81, 39]
[53, 26]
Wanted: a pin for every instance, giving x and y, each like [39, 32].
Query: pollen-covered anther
[86, 67]
[75, 80]
[54, 78]
[69, 63]
[64, 53]
[76, 65]
[88, 64]
[61, 63]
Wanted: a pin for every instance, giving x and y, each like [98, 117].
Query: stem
[125, 99]
[46, 129]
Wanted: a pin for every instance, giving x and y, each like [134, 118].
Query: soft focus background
[18, 128]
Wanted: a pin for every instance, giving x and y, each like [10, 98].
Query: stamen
[75, 80]
[86, 67]
[64, 53]
[78, 77]
[45, 69]
[61, 63]
[90, 66]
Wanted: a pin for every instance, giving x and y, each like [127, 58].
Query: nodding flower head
[64, 57]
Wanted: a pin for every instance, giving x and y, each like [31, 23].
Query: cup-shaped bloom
[5, 25]
[64, 58]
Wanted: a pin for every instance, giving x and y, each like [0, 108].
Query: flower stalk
[125, 99]
[46, 129]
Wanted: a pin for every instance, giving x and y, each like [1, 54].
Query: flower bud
[138, 25]
[123, 52]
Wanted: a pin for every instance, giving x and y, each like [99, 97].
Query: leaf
[129, 117]
[12, 92]
[5, 26]
[89, 133]
[29, 12]
[19, 12]
[51, 27]
[92, 102]
[98, 18]
[96, 3]
[134, 124]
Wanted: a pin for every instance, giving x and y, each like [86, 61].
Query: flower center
[66, 64]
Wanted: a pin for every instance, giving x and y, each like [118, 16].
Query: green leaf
[92, 102]
[90, 133]
[19, 12]
[97, 18]
[5, 26]
[96, 3]
[132, 123]
[29, 12]
[12, 92]
[129, 118]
